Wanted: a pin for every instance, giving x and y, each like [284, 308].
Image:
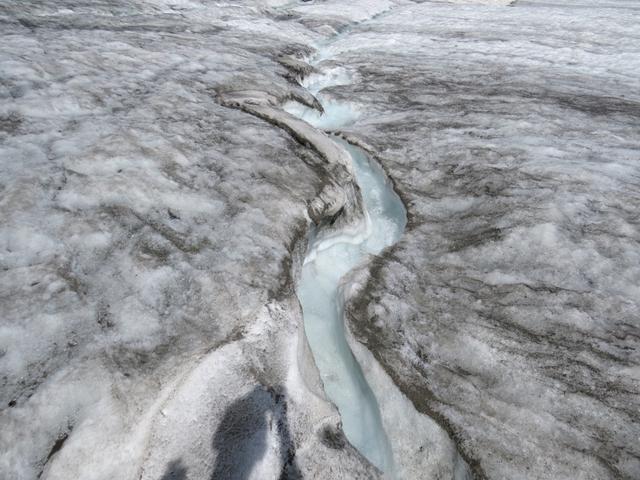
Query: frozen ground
[149, 324]
[155, 200]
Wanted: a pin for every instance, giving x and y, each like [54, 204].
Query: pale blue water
[319, 293]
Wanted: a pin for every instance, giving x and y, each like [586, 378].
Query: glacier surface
[164, 174]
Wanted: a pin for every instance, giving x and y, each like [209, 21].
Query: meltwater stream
[327, 262]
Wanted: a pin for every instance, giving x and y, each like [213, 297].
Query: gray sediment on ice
[509, 310]
[147, 245]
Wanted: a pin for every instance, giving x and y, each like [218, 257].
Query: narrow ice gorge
[335, 258]
[327, 262]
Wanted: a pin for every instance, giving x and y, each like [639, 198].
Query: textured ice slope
[147, 247]
[509, 310]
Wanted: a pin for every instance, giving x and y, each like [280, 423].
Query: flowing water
[327, 262]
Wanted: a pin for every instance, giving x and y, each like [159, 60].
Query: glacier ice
[156, 200]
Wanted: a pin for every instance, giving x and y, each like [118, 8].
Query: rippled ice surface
[319, 292]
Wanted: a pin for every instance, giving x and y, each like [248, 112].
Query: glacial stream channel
[328, 261]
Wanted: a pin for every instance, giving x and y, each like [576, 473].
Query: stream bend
[327, 263]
